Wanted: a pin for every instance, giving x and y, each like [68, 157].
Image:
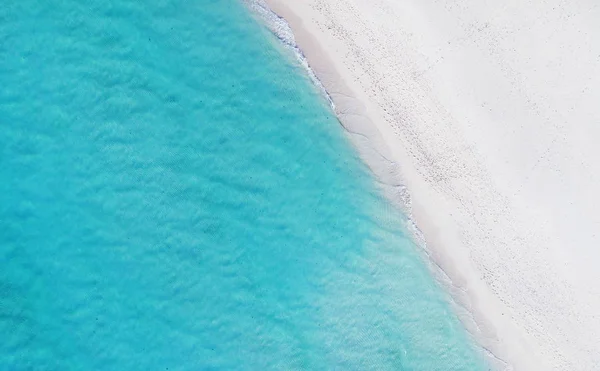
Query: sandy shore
[489, 114]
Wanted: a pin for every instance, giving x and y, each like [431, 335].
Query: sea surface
[175, 194]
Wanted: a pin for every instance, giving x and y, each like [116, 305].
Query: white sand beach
[489, 112]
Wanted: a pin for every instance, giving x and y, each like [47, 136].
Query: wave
[282, 30]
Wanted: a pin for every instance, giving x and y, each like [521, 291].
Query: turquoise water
[175, 195]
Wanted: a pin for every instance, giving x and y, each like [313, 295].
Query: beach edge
[503, 345]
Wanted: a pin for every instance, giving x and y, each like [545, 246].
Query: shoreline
[360, 122]
[492, 243]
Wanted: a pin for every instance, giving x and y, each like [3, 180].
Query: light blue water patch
[175, 195]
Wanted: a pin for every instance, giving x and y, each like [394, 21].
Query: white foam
[282, 30]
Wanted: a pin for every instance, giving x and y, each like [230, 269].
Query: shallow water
[175, 194]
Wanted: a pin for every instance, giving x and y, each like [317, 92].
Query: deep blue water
[176, 195]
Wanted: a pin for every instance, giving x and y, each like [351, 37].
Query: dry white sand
[489, 111]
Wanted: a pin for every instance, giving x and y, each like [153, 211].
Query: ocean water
[175, 194]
